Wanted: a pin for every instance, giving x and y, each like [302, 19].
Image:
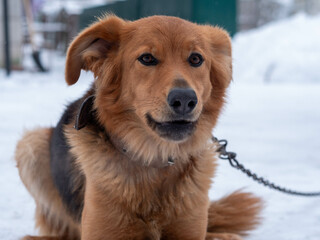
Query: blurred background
[271, 119]
[31, 27]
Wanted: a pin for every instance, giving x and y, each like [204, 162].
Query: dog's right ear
[91, 47]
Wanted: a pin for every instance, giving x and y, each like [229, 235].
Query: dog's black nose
[182, 100]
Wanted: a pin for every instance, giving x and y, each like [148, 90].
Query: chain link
[231, 157]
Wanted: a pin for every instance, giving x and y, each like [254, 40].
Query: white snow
[286, 51]
[273, 127]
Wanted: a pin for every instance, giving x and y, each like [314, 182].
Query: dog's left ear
[92, 46]
[221, 55]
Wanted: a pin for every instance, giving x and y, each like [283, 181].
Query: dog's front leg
[222, 236]
[103, 218]
[190, 226]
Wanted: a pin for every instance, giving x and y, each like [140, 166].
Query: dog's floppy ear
[221, 58]
[89, 49]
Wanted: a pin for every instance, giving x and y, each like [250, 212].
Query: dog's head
[158, 78]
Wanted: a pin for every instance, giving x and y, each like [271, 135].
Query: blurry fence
[15, 33]
[215, 12]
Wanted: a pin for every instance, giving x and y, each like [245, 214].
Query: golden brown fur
[127, 197]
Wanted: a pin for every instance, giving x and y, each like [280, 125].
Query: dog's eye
[195, 59]
[148, 60]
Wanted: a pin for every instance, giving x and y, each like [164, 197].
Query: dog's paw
[27, 238]
[40, 238]
[222, 236]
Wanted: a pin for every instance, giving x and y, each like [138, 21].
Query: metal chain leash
[231, 157]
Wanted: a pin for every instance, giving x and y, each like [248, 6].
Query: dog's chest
[150, 197]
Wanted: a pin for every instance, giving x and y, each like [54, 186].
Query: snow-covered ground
[272, 120]
[288, 51]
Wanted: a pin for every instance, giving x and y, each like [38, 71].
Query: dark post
[6, 37]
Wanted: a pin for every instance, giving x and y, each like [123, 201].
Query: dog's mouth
[176, 130]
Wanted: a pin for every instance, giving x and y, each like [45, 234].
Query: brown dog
[132, 159]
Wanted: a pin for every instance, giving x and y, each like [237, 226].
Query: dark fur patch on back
[67, 177]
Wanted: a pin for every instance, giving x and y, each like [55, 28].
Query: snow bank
[284, 51]
[70, 6]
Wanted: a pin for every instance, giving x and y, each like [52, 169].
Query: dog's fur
[110, 179]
